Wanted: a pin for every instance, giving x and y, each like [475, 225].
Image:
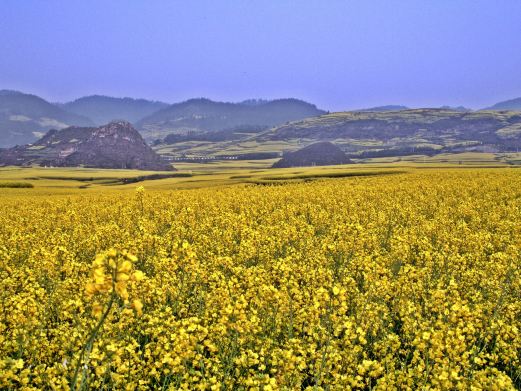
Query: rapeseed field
[409, 281]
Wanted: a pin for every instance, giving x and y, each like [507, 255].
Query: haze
[337, 54]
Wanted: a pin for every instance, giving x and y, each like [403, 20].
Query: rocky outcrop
[318, 154]
[116, 145]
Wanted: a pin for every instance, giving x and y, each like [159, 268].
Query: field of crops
[387, 282]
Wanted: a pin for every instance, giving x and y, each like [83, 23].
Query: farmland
[232, 172]
[400, 275]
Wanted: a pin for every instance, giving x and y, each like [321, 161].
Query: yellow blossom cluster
[397, 282]
[111, 272]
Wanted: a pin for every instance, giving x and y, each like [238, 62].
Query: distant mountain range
[513, 104]
[116, 145]
[204, 115]
[24, 118]
[103, 109]
[359, 134]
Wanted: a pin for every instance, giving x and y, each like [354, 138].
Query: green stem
[88, 345]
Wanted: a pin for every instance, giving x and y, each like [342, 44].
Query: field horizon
[237, 172]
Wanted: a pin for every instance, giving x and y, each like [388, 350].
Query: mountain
[403, 132]
[386, 108]
[317, 154]
[24, 118]
[203, 115]
[103, 109]
[116, 145]
[512, 104]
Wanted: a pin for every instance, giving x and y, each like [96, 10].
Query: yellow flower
[97, 309]
[122, 277]
[384, 282]
[121, 289]
[138, 275]
[138, 306]
[90, 289]
[125, 267]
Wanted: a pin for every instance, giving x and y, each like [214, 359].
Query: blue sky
[336, 54]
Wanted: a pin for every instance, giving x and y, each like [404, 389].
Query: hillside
[419, 130]
[116, 145]
[24, 118]
[103, 109]
[203, 115]
[512, 104]
[367, 134]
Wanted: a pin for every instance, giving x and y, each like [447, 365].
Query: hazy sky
[336, 54]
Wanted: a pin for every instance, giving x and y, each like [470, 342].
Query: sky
[338, 55]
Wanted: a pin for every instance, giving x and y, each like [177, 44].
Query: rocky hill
[103, 109]
[116, 145]
[203, 115]
[317, 154]
[24, 118]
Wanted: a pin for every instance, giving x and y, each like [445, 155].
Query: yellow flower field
[406, 281]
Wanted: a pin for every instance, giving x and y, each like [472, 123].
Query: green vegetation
[16, 185]
[319, 175]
